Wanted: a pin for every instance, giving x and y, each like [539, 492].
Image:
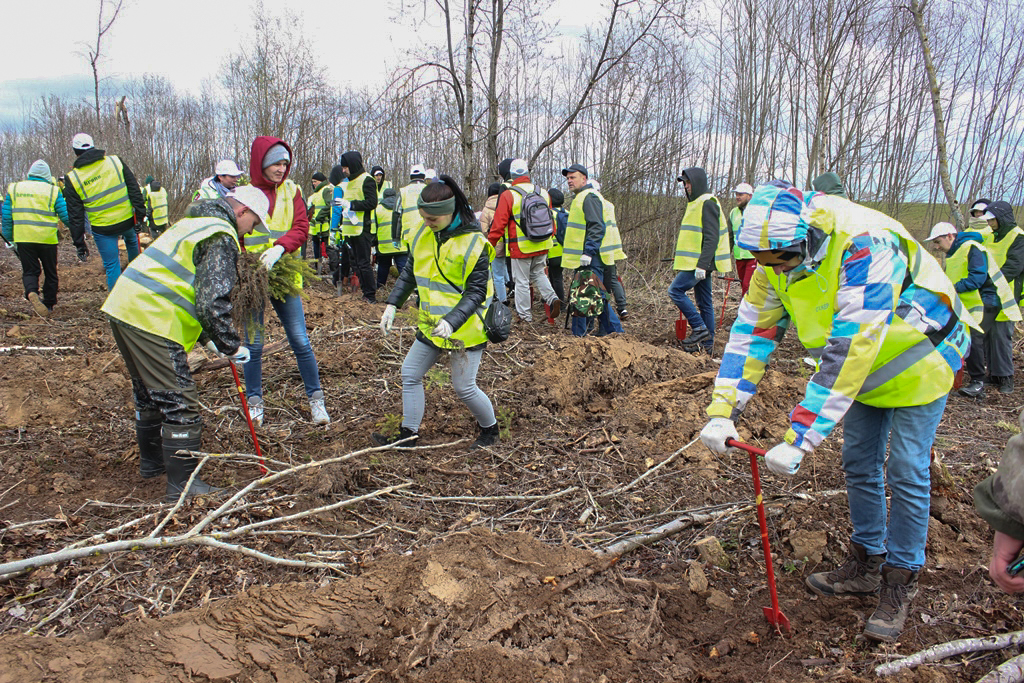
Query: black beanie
[557, 198]
[337, 175]
[493, 189]
[319, 176]
[505, 169]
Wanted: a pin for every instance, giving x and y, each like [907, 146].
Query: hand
[14, 247]
[83, 254]
[700, 274]
[272, 256]
[717, 432]
[585, 260]
[212, 348]
[342, 204]
[1004, 552]
[388, 319]
[443, 330]
[241, 355]
[784, 459]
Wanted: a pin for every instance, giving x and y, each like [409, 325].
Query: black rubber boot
[180, 467]
[403, 433]
[151, 451]
[488, 437]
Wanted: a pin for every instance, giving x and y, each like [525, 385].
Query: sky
[186, 41]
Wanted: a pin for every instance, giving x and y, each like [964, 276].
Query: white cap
[417, 170]
[254, 199]
[743, 188]
[227, 167]
[518, 168]
[595, 183]
[941, 230]
[82, 141]
[979, 205]
[431, 173]
[988, 215]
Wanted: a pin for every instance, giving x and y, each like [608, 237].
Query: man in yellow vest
[156, 208]
[31, 210]
[174, 294]
[1005, 241]
[102, 186]
[984, 291]
[319, 219]
[356, 218]
[390, 247]
[702, 246]
[378, 177]
[890, 333]
[224, 179]
[745, 263]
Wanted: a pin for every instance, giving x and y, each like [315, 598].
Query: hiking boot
[318, 409]
[555, 307]
[255, 410]
[151, 446]
[973, 389]
[488, 437]
[37, 304]
[1005, 384]
[858, 575]
[403, 433]
[696, 336]
[623, 313]
[180, 467]
[899, 587]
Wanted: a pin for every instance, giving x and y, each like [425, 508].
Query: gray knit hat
[40, 169]
[275, 154]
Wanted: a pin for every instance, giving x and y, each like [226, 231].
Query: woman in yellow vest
[156, 208]
[356, 217]
[449, 267]
[890, 333]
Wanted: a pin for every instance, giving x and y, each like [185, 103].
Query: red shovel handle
[248, 419]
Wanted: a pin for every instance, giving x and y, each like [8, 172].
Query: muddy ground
[453, 565]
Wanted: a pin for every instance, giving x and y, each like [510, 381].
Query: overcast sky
[44, 43]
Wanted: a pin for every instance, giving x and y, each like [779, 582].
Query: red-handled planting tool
[725, 299]
[773, 614]
[681, 327]
[245, 409]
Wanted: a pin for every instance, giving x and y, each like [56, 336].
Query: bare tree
[105, 18]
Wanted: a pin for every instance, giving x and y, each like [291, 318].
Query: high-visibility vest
[691, 238]
[1000, 248]
[956, 269]
[515, 234]
[576, 232]
[386, 185]
[156, 292]
[386, 242]
[318, 203]
[407, 204]
[456, 259]
[263, 237]
[909, 369]
[103, 191]
[157, 201]
[556, 247]
[352, 222]
[205, 191]
[735, 221]
[34, 210]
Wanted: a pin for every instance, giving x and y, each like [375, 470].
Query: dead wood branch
[667, 461]
[953, 648]
[665, 530]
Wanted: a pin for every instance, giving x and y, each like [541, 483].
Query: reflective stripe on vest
[690, 239]
[411, 219]
[103, 191]
[576, 228]
[281, 219]
[34, 211]
[512, 232]
[157, 201]
[957, 269]
[352, 222]
[318, 202]
[386, 242]
[735, 221]
[156, 292]
[611, 245]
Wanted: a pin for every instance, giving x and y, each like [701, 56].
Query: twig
[665, 530]
[8, 349]
[663, 463]
[950, 649]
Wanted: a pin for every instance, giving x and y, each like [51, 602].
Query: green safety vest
[524, 244]
[556, 247]
[263, 237]
[456, 259]
[576, 232]
[34, 210]
[318, 203]
[103, 191]
[157, 201]
[956, 269]
[908, 370]
[156, 292]
[352, 221]
[690, 238]
[205, 192]
[735, 221]
[386, 185]
[386, 242]
[410, 210]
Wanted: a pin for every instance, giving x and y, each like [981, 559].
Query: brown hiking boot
[899, 587]
[37, 303]
[858, 575]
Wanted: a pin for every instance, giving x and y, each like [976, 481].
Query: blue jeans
[608, 321]
[499, 273]
[701, 315]
[293, 319]
[107, 246]
[908, 434]
[384, 263]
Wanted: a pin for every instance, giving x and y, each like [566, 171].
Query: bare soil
[487, 566]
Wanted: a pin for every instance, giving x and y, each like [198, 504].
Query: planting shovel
[773, 614]
[248, 419]
[681, 327]
[725, 299]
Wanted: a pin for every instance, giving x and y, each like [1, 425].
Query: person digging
[174, 294]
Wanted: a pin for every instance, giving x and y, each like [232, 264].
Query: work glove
[83, 254]
[342, 204]
[212, 348]
[700, 274]
[443, 330]
[716, 432]
[388, 319]
[241, 355]
[585, 260]
[13, 247]
[272, 256]
[784, 459]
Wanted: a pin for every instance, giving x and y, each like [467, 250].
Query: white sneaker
[316, 406]
[256, 410]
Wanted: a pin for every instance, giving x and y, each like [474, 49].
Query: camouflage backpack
[586, 296]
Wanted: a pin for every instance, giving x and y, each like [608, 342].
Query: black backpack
[535, 221]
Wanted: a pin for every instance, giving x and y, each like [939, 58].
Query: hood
[154, 185]
[337, 175]
[383, 175]
[775, 218]
[505, 169]
[1004, 215]
[962, 237]
[89, 156]
[354, 162]
[698, 178]
[259, 148]
[829, 183]
[211, 208]
[389, 200]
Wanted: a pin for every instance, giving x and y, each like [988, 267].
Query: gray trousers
[161, 380]
[530, 271]
[464, 366]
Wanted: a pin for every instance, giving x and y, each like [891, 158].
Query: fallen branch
[667, 461]
[1010, 671]
[7, 349]
[953, 648]
[665, 530]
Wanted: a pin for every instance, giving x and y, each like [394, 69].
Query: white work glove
[342, 204]
[212, 348]
[784, 459]
[443, 330]
[716, 432]
[388, 319]
[700, 274]
[584, 260]
[272, 256]
[241, 355]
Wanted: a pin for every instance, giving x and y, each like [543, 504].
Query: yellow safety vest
[34, 210]
[408, 197]
[263, 237]
[1000, 248]
[352, 221]
[524, 244]
[556, 247]
[576, 232]
[690, 238]
[103, 191]
[318, 203]
[157, 201]
[735, 221]
[956, 269]
[386, 185]
[156, 292]
[438, 295]
[205, 192]
[386, 242]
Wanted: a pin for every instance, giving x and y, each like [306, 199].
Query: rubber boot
[151, 451]
[488, 437]
[180, 467]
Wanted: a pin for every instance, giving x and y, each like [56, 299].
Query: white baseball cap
[431, 173]
[518, 168]
[227, 167]
[82, 141]
[417, 170]
[941, 230]
[254, 199]
[743, 188]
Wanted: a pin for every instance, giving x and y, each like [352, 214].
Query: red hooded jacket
[296, 237]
